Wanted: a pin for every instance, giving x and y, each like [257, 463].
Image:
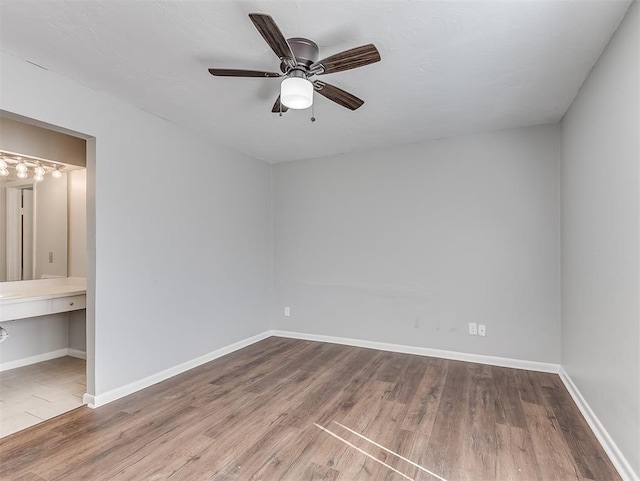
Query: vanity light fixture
[24, 164]
[3, 168]
[39, 173]
[39, 170]
[21, 168]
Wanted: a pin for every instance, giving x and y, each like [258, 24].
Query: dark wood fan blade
[229, 72]
[354, 58]
[277, 108]
[273, 36]
[339, 96]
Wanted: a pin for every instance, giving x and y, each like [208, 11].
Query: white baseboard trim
[76, 353]
[615, 455]
[89, 400]
[119, 392]
[47, 356]
[425, 351]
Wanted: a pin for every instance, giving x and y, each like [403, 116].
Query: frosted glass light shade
[296, 93]
[22, 175]
[4, 172]
[21, 167]
[56, 174]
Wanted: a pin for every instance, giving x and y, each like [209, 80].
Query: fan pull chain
[313, 119]
[280, 106]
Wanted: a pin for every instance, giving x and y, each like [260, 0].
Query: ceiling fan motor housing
[305, 50]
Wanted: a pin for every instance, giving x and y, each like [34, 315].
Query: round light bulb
[3, 164]
[39, 171]
[4, 172]
[38, 178]
[22, 175]
[21, 168]
[56, 174]
[296, 93]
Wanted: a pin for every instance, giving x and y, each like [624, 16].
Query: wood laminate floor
[286, 409]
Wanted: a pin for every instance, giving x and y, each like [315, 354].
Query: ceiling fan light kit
[299, 63]
[296, 93]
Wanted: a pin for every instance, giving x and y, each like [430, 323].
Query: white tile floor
[31, 394]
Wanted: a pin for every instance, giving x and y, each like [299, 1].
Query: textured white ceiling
[448, 67]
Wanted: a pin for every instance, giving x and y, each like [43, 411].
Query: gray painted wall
[78, 330]
[180, 230]
[408, 245]
[600, 239]
[34, 336]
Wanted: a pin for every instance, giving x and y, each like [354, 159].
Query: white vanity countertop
[21, 291]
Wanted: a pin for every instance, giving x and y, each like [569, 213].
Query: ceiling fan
[299, 63]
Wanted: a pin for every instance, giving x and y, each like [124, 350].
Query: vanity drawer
[20, 310]
[70, 303]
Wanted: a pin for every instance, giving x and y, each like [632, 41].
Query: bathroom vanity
[23, 299]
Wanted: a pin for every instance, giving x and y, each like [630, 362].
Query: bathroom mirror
[33, 227]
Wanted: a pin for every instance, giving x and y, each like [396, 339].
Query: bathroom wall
[51, 227]
[77, 331]
[34, 339]
[3, 232]
[45, 143]
[77, 215]
[77, 260]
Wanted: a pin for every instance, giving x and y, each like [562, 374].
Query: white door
[14, 234]
[20, 222]
[27, 234]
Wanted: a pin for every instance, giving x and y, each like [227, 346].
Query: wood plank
[591, 461]
[315, 472]
[445, 442]
[508, 404]
[526, 389]
[29, 477]
[406, 384]
[552, 453]
[513, 455]
[424, 406]
[188, 449]
[478, 457]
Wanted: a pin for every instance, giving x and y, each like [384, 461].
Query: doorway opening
[47, 360]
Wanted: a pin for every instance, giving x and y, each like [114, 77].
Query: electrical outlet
[473, 328]
[287, 311]
[482, 330]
